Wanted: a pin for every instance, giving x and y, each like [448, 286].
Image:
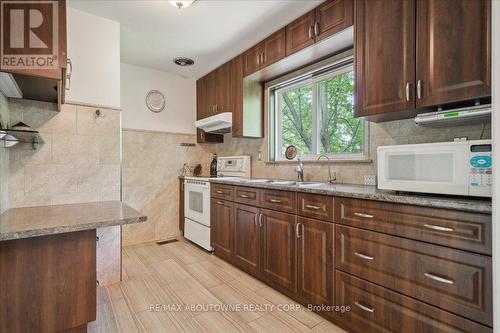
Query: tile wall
[151, 164]
[79, 161]
[389, 133]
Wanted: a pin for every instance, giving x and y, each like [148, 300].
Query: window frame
[312, 77]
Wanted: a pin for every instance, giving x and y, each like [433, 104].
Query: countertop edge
[70, 228]
[408, 199]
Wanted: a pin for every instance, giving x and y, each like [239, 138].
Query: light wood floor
[180, 273]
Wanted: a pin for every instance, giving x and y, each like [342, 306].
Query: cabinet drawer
[315, 206]
[461, 230]
[278, 200]
[376, 309]
[458, 281]
[246, 195]
[224, 192]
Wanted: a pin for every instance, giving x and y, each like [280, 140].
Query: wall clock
[155, 101]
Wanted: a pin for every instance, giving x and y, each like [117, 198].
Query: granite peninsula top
[25, 222]
[371, 193]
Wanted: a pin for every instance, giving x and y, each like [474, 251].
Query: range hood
[9, 86]
[220, 123]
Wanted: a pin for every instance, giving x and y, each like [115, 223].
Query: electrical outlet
[371, 180]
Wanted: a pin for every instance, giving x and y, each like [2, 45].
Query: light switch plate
[370, 180]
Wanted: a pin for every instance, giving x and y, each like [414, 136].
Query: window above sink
[313, 111]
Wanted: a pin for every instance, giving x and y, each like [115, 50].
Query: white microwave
[457, 168]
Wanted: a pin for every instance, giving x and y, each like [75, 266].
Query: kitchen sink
[309, 184]
[283, 182]
[257, 181]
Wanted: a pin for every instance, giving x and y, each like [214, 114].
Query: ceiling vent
[181, 61]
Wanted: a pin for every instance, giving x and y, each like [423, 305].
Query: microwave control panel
[480, 179]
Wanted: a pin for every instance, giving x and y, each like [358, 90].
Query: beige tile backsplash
[390, 133]
[78, 162]
[151, 164]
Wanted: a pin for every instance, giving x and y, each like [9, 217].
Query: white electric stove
[197, 198]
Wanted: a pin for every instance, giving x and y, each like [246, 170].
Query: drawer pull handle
[313, 207]
[219, 191]
[368, 216]
[275, 200]
[364, 307]
[243, 196]
[297, 230]
[363, 256]
[219, 202]
[438, 228]
[439, 278]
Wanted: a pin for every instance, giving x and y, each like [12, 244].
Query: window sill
[339, 161]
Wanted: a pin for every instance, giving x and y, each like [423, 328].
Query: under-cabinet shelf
[10, 138]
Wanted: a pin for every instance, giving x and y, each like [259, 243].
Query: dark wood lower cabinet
[278, 265]
[375, 309]
[315, 261]
[375, 261]
[221, 218]
[48, 283]
[246, 238]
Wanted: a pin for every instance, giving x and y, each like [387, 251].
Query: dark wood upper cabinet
[315, 261]
[246, 238]
[384, 56]
[278, 263]
[221, 217]
[300, 33]
[412, 55]
[273, 48]
[333, 16]
[453, 51]
[222, 93]
[252, 59]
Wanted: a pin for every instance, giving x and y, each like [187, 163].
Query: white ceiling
[209, 31]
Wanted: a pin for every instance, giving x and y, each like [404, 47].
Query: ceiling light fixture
[183, 61]
[181, 4]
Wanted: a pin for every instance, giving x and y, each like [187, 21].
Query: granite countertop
[372, 193]
[17, 223]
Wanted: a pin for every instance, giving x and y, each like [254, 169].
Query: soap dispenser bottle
[213, 167]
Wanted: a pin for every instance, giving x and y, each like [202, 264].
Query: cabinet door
[210, 91]
[246, 238]
[274, 48]
[453, 50]
[300, 33]
[384, 56]
[201, 98]
[237, 95]
[278, 249]
[221, 220]
[252, 60]
[333, 16]
[223, 88]
[315, 260]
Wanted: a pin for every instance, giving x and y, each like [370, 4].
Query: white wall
[94, 50]
[179, 114]
[496, 161]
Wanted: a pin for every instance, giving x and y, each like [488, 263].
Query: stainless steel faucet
[331, 178]
[300, 170]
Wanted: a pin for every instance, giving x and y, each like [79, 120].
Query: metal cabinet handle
[316, 29]
[219, 202]
[262, 58]
[368, 216]
[313, 207]
[311, 32]
[363, 256]
[219, 192]
[407, 91]
[275, 200]
[364, 307]
[68, 75]
[258, 58]
[260, 220]
[439, 278]
[297, 229]
[243, 196]
[438, 227]
[255, 219]
[419, 89]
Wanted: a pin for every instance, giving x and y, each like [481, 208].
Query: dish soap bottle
[213, 167]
